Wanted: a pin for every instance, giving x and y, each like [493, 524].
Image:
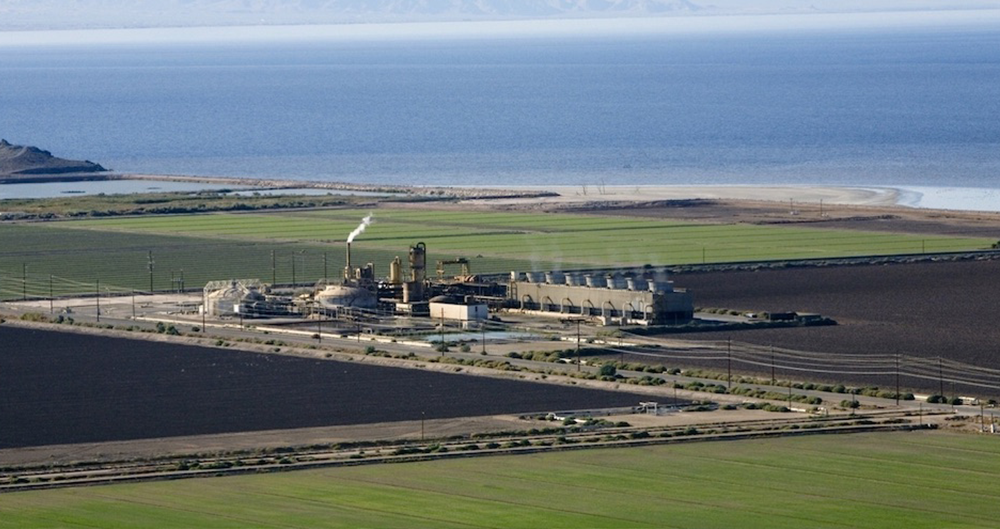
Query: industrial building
[641, 298]
[609, 298]
[234, 297]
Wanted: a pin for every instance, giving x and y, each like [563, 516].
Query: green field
[911, 480]
[572, 239]
[229, 245]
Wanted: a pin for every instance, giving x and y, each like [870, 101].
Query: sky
[35, 15]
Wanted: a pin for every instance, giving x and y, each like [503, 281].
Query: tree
[608, 370]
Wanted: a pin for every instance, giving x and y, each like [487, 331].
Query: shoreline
[907, 197]
[805, 194]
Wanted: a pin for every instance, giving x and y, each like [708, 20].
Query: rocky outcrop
[18, 160]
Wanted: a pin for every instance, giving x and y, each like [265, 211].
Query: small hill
[21, 160]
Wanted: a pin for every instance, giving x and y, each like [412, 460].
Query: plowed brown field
[930, 310]
[60, 388]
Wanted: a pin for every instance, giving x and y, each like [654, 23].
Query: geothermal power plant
[644, 297]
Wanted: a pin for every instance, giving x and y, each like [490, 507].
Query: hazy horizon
[29, 15]
[506, 29]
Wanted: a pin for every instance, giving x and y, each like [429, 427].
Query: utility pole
[273, 270]
[729, 363]
[441, 341]
[98, 301]
[51, 308]
[579, 362]
[940, 378]
[24, 281]
[772, 365]
[293, 269]
[484, 337]
[324, 267]
[319, 328]
[897, 379]
[133, 305]
[149, 265]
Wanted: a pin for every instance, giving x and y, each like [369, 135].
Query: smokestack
[347, 267]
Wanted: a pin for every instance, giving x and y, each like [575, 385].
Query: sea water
[916, 106]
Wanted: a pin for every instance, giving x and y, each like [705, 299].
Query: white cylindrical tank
[346, 296]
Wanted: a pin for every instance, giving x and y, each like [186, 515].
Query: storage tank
[223, 298]
[396, 271]
[630, 283]
[595, 281]
[346, 296]
[418, 262]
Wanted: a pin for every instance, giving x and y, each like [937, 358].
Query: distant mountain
[16, 160]
[66, 14]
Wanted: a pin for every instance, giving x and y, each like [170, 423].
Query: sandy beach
[791, 194]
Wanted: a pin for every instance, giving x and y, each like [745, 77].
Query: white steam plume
[365, 222]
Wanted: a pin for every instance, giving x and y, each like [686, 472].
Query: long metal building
[611, 298]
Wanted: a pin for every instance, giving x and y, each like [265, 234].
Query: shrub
[850, 404]
[370, 350]
[465, 348]
[608, 370]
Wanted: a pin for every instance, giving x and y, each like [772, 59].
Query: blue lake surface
[906, 107]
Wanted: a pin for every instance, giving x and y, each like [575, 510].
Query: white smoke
[365, 222]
